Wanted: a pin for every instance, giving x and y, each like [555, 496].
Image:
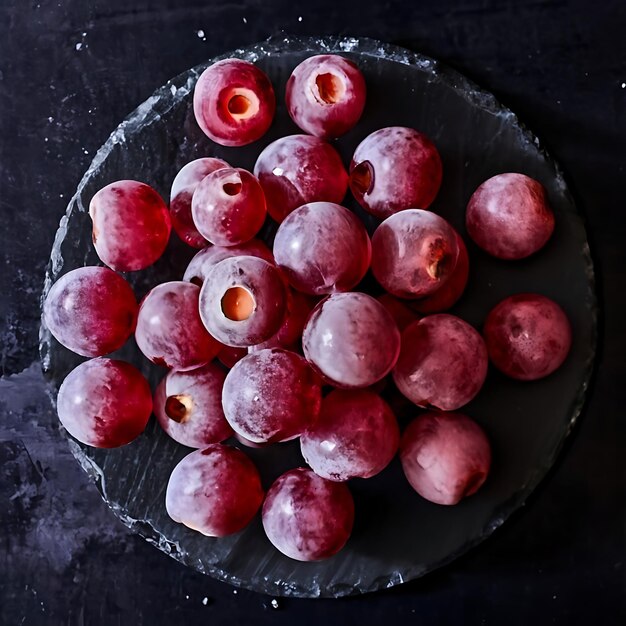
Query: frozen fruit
[401, 313]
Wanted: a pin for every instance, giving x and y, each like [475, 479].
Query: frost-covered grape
[445, 456]
[188, 406]
[443, 362]
[169, 329]
[234, 102]
[228, 207]
[271, 395]
[325, 95]
[393, 169]
[401, 313]
[322, 248]
[243, 301]
[414, 253]
[91, 311]
[509, 217]
[299, 169]
[204, 261]
[306, 517]
[183, 187]
[104, 403]
[528, 336]
[356, 435]
[229, 355]
[351, 340]
[216, 491]
[131, 225]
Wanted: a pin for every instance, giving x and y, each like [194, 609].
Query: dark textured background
[69, 72]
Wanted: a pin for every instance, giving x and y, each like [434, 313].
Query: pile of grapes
[270, 345]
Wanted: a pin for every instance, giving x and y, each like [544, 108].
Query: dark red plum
[442, 364]
[216, 491]
[91, 311]
[393, 169]
[169, 329]
[351, 340]
[299, 169]
[528, 336]
[243, 302]
[271, 395]
[228, 207]
[445, 456]
[234, 102]
[306, 517]
[188, 406]
[325, 95]
[181, 194]
[322, 248]
[104, 403]
[131, 225]
[509, 217]
[414, 253]
[356, 435]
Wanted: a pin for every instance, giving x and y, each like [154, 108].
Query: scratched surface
[69, 72]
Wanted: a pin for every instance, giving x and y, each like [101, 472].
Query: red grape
[131, 225]
[228, 207]
[243, 301]
[204, 261]
[414, 253]
[393, 169]
[91, 311]
[188, 406]
[271, 395]
[351, 339]
[445, 456]
[104, 403]
[401, 313]
[216, 491]
[183, 187]
[169, 330]
[356, 435]
[229, 355]
[234, 102]
[322, 248]
[325, 95]
[528, 336]
[509, 217]
[307, 517]
[298, 169]
[443, 362]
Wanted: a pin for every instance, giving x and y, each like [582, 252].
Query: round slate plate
[398, 536]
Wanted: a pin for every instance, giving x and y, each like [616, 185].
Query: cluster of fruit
[284, 323]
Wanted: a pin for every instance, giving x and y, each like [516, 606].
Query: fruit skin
[322, 248]
[351, 340]
[299, 169]
[104, 403]
[215, 491]
[528, 336]
[131, 225]
[183, 187]
[443, 362]
[307, 517]
[509, 217]
[213, 92]
[445, 456]
[414, 253]
[398, 309]
[271, 395]
[393, 169]
[205, 260]
[199, 420]
[91, 311]
[228, 207]
[169, 329]
[334, 108]
[356, 435]
[268, 289]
